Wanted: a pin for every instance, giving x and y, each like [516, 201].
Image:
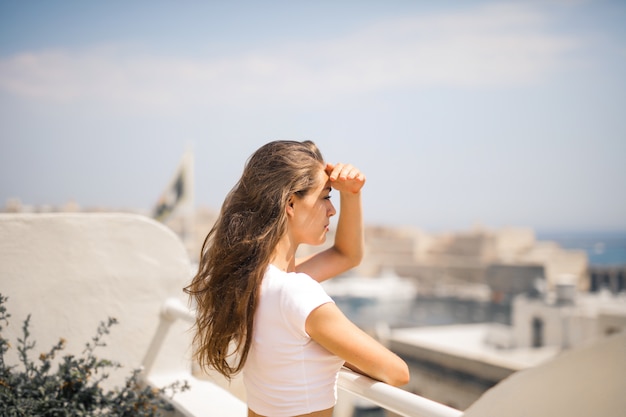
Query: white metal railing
[386, 396]
[391, 398]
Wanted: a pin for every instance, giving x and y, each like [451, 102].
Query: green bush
[74, 388]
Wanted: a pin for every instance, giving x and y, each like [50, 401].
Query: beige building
[451, 262]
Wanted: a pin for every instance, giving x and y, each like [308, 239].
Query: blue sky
[459, 112]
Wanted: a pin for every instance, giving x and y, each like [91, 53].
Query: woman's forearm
[349, 238]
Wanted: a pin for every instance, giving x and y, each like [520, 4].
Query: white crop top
[286, 372]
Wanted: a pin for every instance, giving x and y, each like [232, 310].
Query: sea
[604, 249]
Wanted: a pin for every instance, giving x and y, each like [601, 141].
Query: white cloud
[490, 46]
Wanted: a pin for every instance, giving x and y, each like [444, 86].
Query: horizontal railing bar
[391, 398]
[174, 309]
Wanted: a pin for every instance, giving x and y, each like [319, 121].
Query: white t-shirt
[286, 372]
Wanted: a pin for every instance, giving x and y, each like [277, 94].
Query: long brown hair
[237, 250]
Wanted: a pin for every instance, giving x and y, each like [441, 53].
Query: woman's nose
[331, 210]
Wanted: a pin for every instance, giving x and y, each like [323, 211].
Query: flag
[178, 192]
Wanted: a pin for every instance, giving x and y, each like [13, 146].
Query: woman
[261, 310]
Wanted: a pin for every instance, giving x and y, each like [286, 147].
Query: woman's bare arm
[329, 327]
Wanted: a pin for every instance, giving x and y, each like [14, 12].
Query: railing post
[172, 309]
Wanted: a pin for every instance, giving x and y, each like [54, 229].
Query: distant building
[451, 263]
[565, 318]
[456, 364]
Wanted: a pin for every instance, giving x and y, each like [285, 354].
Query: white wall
[71, 271]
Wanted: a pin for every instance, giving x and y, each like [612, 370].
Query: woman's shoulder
[294, 295]
[276, 273]
[277, 278]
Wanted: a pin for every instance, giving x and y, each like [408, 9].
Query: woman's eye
[327, 197]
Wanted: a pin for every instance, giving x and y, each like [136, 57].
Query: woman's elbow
[355, 260]
[400, 376]
[351, 260]
[353, 250]
[356, 256]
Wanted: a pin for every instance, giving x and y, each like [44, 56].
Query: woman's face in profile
[311, 214]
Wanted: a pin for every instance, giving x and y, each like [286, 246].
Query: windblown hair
[238, 249]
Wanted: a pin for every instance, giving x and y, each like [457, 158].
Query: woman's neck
[284, 257]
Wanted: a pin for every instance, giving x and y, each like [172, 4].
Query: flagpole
[177, 202]
[189, 209]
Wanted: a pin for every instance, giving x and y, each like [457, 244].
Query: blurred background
[492, 135]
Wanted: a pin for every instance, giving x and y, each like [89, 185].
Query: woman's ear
[289, 206]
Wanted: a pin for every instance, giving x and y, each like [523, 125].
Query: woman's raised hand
[345, 177]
